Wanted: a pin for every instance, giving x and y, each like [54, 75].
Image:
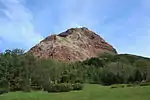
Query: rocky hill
[75, 44]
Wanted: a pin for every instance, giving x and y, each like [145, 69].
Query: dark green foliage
[109, 78]
[2, 91]
[23, 72]
[14, 70]
[138, 76]
[144, 84]
[118, 86]
[117, 69]
[96, 62]
[61, 87]
[20, 71]
[77, 86]
[36, 87]
[64, 87]
[131, 85]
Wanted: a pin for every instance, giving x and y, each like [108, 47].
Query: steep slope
[76, 44]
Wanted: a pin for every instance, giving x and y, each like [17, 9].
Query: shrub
[96, 62]
[15, 87]
[77, 86]
[2, 91]
[131, 85]
[62, 87]
[118, 86]
[36, 87]
[144, 84]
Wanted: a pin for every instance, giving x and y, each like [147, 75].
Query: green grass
[90, 92]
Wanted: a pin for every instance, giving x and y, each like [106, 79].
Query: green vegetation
[90, 92]
[23, 72]
[20, 71]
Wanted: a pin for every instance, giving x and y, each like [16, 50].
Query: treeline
[20, 71]
[23, 72]
[110, 69]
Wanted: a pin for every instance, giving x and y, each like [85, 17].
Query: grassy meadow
[90, 92]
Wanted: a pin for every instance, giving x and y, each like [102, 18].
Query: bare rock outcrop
[76, 44]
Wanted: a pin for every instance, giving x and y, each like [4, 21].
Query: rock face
[76, 44]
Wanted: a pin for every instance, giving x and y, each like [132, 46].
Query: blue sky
[123, 23]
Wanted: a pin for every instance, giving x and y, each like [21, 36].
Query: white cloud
[125, 23]
[16, 26]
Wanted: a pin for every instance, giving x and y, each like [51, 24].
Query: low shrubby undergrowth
[130, 85]
[2, 91]
[145, 84]
[118, 86]
[62, 87]
[77, 86]
[65, 87]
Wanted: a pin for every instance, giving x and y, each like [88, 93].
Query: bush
[77, 86]
[2, 91]
[96, 62]
[144, 84]
[36, 87]
[118, 86]
[131, 85]
[15, 87]
[62, 87]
